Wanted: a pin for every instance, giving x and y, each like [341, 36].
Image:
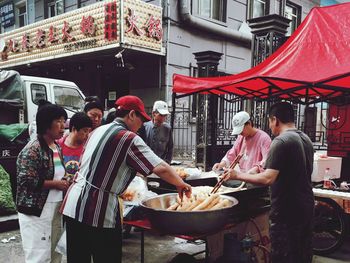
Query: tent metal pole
[172, 120]
[306, 95]
[306, 117]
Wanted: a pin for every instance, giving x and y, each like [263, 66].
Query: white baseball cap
[238, 122]
[161, 107]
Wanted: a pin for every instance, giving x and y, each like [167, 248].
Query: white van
[19, 95]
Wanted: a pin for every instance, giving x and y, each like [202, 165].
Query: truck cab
[60, 92]
[19, 96]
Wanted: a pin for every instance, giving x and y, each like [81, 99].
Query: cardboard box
[320, 166]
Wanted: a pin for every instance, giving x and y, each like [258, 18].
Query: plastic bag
[133, 195]
[135, 191]
[193, 173]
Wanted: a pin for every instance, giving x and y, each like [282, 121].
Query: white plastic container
[320, 166]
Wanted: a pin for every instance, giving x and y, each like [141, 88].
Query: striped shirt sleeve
[141, 158]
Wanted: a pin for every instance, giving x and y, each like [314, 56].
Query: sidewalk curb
[8, 223]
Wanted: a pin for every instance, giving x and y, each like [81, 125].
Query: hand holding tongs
[183, 194]
[222, 179]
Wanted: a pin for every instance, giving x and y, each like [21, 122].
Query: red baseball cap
[130, 102]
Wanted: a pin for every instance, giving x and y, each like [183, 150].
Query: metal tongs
[183, 194]
[222, 179]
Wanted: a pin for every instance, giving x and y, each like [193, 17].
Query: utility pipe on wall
[186, 16]
[167, 52]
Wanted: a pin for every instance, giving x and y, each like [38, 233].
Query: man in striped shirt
[113, 154]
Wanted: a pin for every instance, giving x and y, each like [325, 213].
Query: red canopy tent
[312, 65]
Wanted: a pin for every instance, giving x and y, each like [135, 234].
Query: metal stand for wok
[145, 225]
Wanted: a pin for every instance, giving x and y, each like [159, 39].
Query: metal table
[247, 211]
[145, 225]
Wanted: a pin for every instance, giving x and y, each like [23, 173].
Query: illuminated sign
[92, 28]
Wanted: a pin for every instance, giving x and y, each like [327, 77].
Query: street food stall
[205, 217]
[311, 67]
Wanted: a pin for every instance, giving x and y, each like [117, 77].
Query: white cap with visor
[161, 107]
[238, 122]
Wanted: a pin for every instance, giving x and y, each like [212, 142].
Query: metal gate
[311, 119]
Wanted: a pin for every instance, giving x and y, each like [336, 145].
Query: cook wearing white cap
[252, 142]
[157, 133]
[238, 122]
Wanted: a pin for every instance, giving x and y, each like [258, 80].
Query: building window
[258, 8]
[293, 12]
[51, 9]
[55, 8]
[212, 9]
[22, 16]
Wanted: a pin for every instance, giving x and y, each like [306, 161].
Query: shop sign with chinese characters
[7, 14]
[103, 25]
[8, 152]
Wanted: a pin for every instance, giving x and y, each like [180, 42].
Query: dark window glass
[258, 8]
[38, 93]
[22, 13]
[213, 9]
[293, 12]
[68, 98]
[55, 8]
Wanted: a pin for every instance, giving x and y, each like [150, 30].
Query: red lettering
[132, 21]
[110, 23]
[26, 42]
[13, 45]
[4, 51]
[66, 32]
[87, 26]
[53, 34]
[40, 38]
[154, 28]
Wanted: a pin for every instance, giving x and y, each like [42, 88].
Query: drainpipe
[199, 23]
[167, 52]
[27, 13]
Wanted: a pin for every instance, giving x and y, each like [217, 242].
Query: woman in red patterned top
[72, 144]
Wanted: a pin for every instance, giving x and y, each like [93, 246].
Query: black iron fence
[184, 133]
[311, 119]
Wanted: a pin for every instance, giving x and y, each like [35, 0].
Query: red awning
[314, 63]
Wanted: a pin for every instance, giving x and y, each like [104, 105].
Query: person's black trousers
[291, 243]
[84, 242]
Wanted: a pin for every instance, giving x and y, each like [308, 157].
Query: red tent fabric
[314, 63]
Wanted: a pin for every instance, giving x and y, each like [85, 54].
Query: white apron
[41, 234]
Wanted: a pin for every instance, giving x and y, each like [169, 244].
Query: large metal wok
[189, 222]
[252, 192]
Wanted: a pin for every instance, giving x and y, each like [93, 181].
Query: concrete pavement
[158, 249]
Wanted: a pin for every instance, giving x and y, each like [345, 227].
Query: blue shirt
[159, 139]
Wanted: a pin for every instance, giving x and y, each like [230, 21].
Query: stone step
[8, 223]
